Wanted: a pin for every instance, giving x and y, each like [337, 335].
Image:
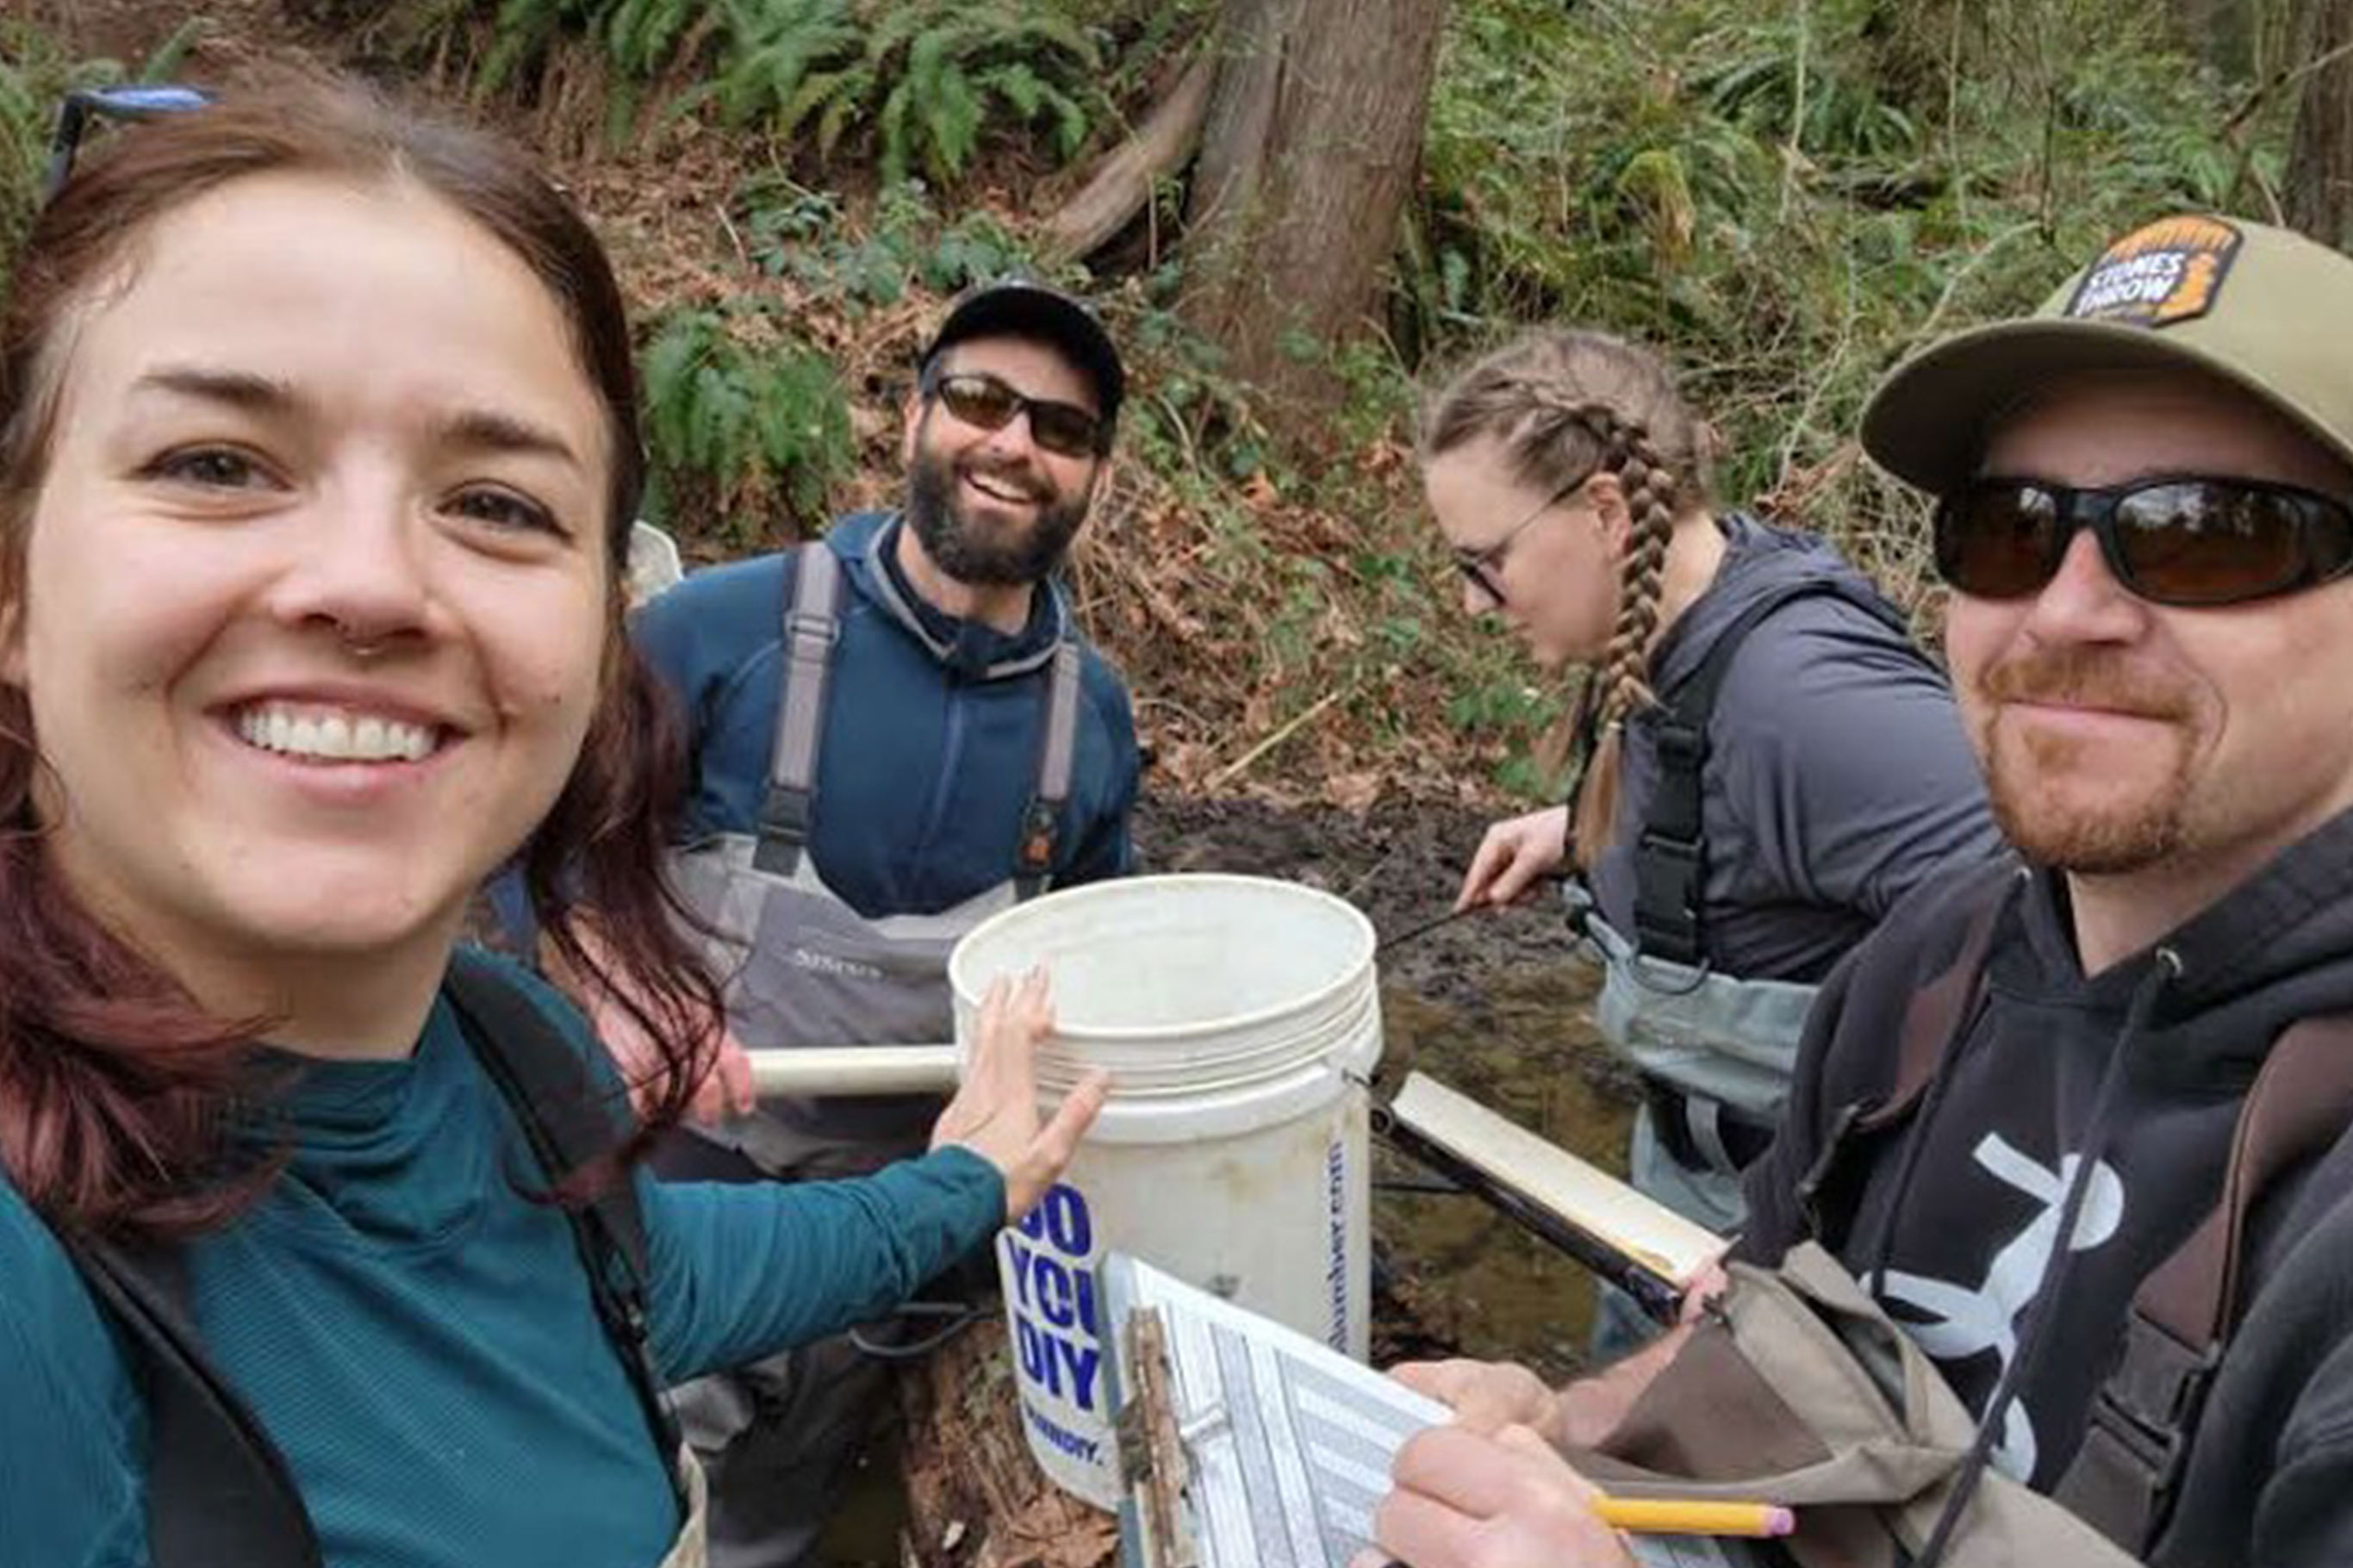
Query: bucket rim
[1359, 969]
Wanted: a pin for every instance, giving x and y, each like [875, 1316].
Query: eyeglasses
[982, 400]
[2185, 541]
[83, 104]
[1479, 568]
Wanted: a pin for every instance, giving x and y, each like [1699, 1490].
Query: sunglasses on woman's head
[981, 400]
[2187, 540]
[85, 104]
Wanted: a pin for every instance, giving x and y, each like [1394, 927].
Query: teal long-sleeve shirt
[417, 1334]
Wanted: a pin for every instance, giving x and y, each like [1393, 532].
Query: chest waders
[1714, 1051]
[804, 968]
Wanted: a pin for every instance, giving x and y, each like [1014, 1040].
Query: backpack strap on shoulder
[2144, 1416]
[1937, 1019]
[570, 1122]
[1670, 852]
[1058, 751]
[811, 627]
[218, 1490]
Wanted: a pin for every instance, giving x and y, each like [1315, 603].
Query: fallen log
[1123, 185]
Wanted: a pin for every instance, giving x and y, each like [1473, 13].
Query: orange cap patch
[2170, 271]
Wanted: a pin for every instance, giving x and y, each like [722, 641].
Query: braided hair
[1566, 405]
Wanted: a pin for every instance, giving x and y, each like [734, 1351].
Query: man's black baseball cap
[1020, 308]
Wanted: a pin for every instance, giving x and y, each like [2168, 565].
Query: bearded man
[2145, 512]
[894, 732]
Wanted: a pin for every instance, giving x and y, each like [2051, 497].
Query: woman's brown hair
[115, 1086]
[1566, 405]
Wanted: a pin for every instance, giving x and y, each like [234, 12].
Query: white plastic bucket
[1240, 1017]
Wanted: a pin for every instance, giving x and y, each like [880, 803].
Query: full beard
[968, 551]
[2036, 781]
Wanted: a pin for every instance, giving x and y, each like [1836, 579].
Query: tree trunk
[2320, 160]
[1313, 144]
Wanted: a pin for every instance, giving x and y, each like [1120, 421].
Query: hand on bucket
[1467, 1500]
[994, 1112]
[1514, 857]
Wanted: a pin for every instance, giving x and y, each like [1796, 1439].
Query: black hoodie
[1950, 1216]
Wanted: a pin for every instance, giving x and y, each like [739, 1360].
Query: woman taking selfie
[1768, 762]
[318, 456]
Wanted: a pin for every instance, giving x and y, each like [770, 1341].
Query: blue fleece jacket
[418, 1337]
[927, 764]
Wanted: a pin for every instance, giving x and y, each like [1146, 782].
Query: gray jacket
[1838, 775]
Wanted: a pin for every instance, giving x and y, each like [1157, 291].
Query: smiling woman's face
[313, 604]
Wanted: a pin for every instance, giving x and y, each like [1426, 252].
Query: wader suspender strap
[218, 1490]
[812, 625]
[1671, 853]
[2123, 1477]
[1056, 755]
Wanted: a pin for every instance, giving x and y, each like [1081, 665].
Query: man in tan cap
[2145, 512]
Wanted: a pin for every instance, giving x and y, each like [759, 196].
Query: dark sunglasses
[85, 104]
[981, 400]
[2186, 540]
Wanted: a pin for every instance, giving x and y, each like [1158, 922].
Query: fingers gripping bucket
[1239, 1017]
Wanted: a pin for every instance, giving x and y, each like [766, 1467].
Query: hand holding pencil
[1464, 1497]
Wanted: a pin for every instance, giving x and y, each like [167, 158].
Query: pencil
[1680, 1516]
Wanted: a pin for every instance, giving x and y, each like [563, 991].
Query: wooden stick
[1240, 766]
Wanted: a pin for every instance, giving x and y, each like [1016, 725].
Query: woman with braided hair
[1768, 761]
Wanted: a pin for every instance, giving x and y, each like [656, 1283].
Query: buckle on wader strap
[1670, 853]
[1033, 864]
[783, 829]
[2136, 1434]
[812, 625]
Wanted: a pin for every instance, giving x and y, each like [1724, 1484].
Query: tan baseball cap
[2263, 308]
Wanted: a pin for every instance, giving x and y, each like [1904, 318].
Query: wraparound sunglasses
[2190, 540]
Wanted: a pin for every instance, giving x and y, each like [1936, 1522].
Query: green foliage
[927, 80]
[927, 75]
[738, 409]
[34, 77]
[804, 237]
[28, 96]
[1786, 197]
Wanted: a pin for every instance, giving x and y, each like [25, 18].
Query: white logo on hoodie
[1965, 1322]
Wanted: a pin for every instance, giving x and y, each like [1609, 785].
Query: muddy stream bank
[1497, 1005]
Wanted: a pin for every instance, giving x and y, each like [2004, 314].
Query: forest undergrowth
[1786, 196]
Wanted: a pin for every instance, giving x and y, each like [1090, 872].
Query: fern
[642, 35]
[930, 78]
[740, 424]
